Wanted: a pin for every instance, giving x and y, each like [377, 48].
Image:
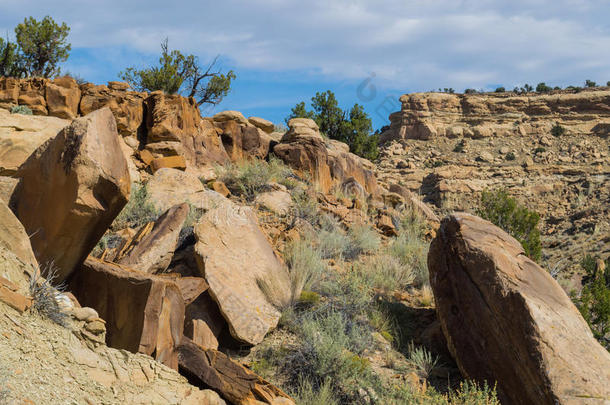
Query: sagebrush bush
[558, 130]
[363, 239]
[304, 208]
[21, 109]
[422, 360]
[307, 394]
[385, 272]
[411, 252]
[332, 240]
[521, 223]
[252, 177]
[138, 211]
[470, 393]
[44, 294]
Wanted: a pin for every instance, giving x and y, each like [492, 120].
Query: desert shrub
[510, 156]
[594, 302]
[44, 294]
[329, 352]
[187, 235]
[422, 360]
[500, 90]
[252, 177]
[332, 240]
[304, 208]
[539, 149]
[412, 252]
[470, 393]
[138, 211]
[386, 272]
[363, 239]
[521, 223]
[21, 109]
[307, 394]
[558, 130]
[459, 147]
[470, 91]
[305, 266]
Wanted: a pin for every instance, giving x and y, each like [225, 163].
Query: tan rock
[71, 189]
[224, 116]
[242, 141]
[261, 123]
[143, 313]
[234, 257]
[221, 188]
[63, 97]
[171, 162]
[32, 95]
[9, 92]
[522, 329]
[204, 323]
[278, 202]
[153, 252]
[20, 135]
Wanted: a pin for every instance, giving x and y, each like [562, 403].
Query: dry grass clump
[44, 294]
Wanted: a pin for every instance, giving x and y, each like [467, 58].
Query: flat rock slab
[234, 256]
[508, 321]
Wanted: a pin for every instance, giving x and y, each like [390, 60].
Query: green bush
[422, 360]
[385, 272]
[308, 394]
[500, 90]
[594, 302]
[539, 149]
[21, 109]
[363, 239]
[304, 208]
[590, 83]
[459, 147]
[470, 393]
[543, 88]
[558, 130]
[252, 177]
[138, 211]
[521, 223]
[412, 253]
[510, 156]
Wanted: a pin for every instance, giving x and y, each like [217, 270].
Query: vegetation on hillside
[521, 223]
[179, 73]
[354, 127]
[594, 300]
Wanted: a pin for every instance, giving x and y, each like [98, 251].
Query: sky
[366, 51]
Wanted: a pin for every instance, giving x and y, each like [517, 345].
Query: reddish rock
[171, 162]
[143, 313]
[9, 92]
[63, 97]
[32, 95]
[71, 189]
[508, 321]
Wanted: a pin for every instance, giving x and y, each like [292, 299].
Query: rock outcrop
[143, 313]
[328, 162]
[235, 257]
[508, 321]
[71, 189]
[427, 115]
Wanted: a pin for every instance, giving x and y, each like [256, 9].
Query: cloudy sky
[367, 51]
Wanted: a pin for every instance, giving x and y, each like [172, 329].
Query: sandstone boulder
[9, 92]
[32, 95]
[278, 201]
[152, 252]
[20, 135]
[234, 257]
[71, 189]
[143, 313]
[63, 97]
[230, 116]
[508, 321]
[261, 123]
[241, 140]
[235, 383]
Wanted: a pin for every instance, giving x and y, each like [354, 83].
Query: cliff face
[427, 115]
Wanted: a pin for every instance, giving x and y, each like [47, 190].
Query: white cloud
[410, 44]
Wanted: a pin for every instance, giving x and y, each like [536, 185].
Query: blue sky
[283, 51]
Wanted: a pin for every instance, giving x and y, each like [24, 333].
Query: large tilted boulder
[20, 135]
[235, 257]
[210, 368]
[143, 313]
[151, 250]
[71, 189]
[508, 321]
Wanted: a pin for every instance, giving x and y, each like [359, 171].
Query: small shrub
[521, 223]
[252, 177]
[44, 295]
[594, 302]
[412, 253]
[608, 84]
[305, 266]
[309, 298]
[307, 394]
[333, 242]
[426, 297]
[304, 208]
[459, 147]
[543, 88]
[510, 156]
[21, 109]
[138, 211]
[558, 130]
[590, 83]
[500, 90]
[364, 239]
[470, 91]
[422, 360]
[470, 393]
[386, 272]
[108, 241]
[539, 149]
[187, 235]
